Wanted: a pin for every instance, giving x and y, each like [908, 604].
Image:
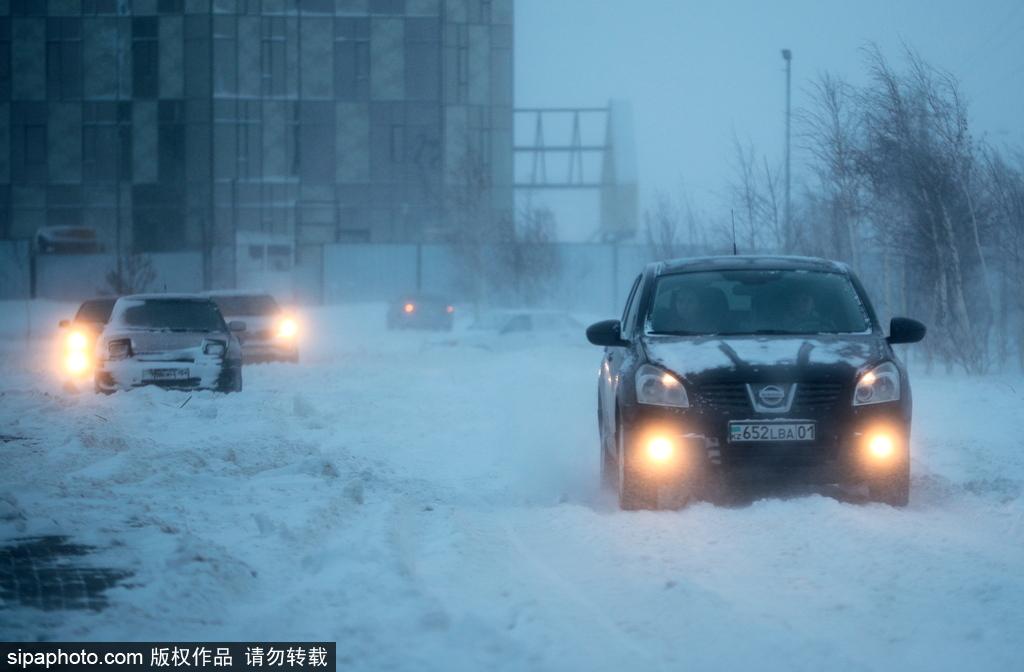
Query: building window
[145, 57]
[64, 59]
[352, 59]
[171, 141]
[5, 58]
[462, 65]
[273, 57]
[35, 145]
[397, 143]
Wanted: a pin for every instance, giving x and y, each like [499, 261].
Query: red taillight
[450, 309]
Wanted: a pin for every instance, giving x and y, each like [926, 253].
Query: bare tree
[755, 199]
[136, 275]
[662, 225]
[530, 257]
[830, 135]
[914, 157]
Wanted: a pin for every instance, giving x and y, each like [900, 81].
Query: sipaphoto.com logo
[60, 658]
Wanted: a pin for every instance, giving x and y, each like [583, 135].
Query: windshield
[97, 311]
[246, 305]
[172, 315]
[756, 302]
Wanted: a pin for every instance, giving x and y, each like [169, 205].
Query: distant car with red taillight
[421, 311]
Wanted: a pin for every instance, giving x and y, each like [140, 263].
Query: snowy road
[432, 505]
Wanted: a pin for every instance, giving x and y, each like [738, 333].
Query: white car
[271, 333]
[170, 340]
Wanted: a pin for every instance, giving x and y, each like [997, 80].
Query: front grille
[733, 397]
[725, 396]
[816, 396]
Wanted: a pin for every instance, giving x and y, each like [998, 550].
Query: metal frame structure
[617, 188]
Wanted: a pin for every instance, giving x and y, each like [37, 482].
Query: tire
[635, 493]
[609, 469]
[231, 382]
[894, 490]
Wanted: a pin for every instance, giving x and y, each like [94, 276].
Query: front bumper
[259, 350]
[839, 452]
[201, 373]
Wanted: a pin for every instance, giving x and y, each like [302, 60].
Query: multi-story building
[197, 124]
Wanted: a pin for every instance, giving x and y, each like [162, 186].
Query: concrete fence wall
[590, 277]
[73, 277]
[15, 269]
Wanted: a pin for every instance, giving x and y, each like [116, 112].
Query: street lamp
[787, 56]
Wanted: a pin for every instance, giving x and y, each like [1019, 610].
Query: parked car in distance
[421, 311]
[176, 341]
[751, 367]
[67, 240]
[77, 339]
[271, 332]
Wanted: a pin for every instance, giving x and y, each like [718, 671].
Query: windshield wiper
[678, 333]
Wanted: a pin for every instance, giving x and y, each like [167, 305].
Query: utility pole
[787, 56]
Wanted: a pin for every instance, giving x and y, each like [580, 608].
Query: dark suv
[726, 369]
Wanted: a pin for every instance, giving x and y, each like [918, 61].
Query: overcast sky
[696, 72]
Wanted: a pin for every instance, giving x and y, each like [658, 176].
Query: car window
[247, 304]
[630, 305]
[171, 315]
[756, 302]
[96, 310]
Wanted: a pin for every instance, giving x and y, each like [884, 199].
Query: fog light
[76, 363]
[881, 446]
[409, 307]
[660, 449]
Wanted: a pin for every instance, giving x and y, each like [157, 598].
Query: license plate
[166, 374]
[742, 432]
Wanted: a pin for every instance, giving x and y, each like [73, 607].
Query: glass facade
[172, 124]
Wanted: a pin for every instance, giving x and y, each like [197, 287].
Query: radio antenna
[732, 213]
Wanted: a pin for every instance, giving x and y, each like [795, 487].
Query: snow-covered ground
[430, 504]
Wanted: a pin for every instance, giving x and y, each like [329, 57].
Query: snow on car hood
[690, 356]
[165, 341]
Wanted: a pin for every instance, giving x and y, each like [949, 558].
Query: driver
[803, 313]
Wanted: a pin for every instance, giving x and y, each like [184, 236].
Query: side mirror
[64, 324]
[905, 330]
[236, 325]
[606, 333]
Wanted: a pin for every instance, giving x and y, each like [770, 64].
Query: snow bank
[433, 505]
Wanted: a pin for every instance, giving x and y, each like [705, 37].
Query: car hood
[754, 357]
[149, 342]
[254, 322]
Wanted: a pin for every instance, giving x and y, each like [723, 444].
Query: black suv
[726, 369]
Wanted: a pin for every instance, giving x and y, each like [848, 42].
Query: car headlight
[215, 348]
[77, 341]
[287, 328]
[658, 387]
[119, 349]
[878, 385]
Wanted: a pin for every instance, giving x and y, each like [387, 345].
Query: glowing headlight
[658, 387]
[409, 307]
[878, 385]
[660, 449]
[76, 362]
[77, 341]
[881, 445]
[287, 328]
